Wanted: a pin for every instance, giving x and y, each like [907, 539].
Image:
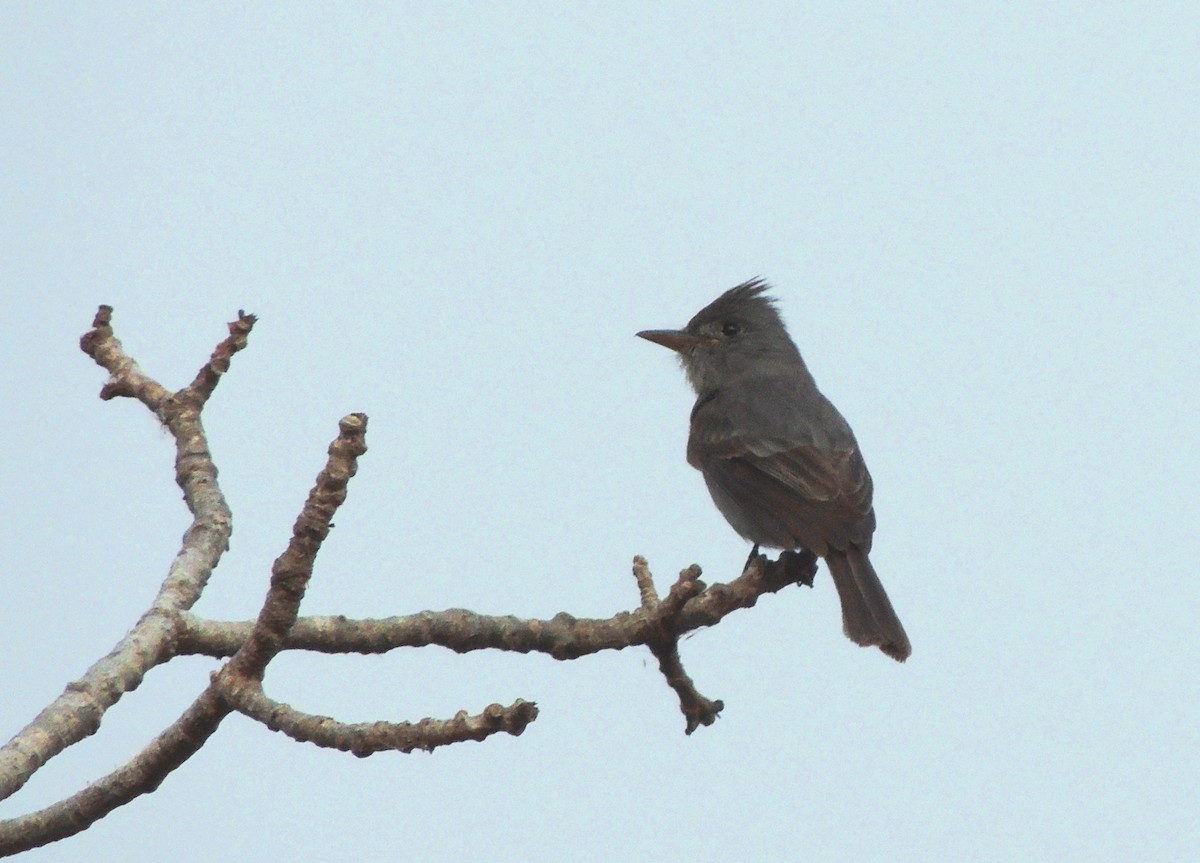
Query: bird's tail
[867, 615]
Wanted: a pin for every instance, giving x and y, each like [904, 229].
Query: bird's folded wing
[811, 452]
[813, 473]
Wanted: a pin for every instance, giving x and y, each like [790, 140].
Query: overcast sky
[981, 222]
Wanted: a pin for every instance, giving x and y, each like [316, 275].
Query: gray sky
[981, 221]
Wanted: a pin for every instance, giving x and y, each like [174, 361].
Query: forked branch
[168, 628]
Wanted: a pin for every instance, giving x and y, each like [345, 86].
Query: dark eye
[730, 329]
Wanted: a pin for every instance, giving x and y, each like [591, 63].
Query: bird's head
[737, 335]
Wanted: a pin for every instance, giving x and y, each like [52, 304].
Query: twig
[367, 738]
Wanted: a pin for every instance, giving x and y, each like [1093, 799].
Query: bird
[781, 463]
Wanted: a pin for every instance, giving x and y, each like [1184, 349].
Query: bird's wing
[813, 473]
[812, 453]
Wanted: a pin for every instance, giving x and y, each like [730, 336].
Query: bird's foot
[799, 566]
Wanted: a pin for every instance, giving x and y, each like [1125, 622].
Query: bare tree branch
[169, 628]
[76, 713]
[293, 569]
[240, 682]
[209, 376]
[367, 738]
[658, 625]
[562, 636]
[146, 771]
[664, 644]
[140, 775]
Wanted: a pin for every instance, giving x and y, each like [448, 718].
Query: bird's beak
[676, 340]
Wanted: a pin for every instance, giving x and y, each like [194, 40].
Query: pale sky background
[982, 223]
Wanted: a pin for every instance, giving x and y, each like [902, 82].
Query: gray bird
[780, 462]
